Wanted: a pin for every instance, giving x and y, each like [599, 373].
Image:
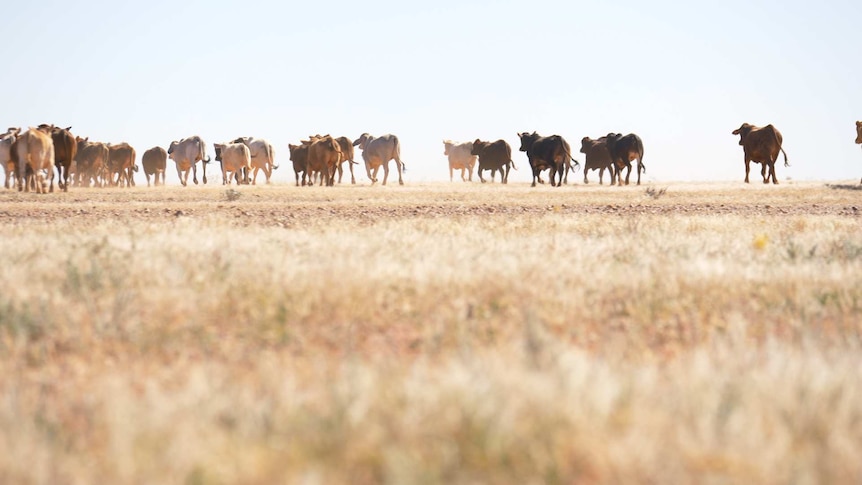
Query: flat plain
[432, 333]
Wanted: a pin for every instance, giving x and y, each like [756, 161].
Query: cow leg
[386, 172]
[504, 173]
[373, 174]
[352, 178]
[194, 173]
[451, 173]
[771, 172]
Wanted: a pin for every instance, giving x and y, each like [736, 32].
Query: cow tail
[271, 154]
[398, 152]
[778, 142]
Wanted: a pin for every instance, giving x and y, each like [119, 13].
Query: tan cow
[36, 153]
[121, 162]
[377, 152]
[235, 159]
[324, 155]
[761, 145]
[460, 158]
[186, 153]
[155, 161]
[262, 156]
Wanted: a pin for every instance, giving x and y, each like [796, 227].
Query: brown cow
[493, 156]
[859, 136]
[121, 161]
[324, 155]
[35, 151]
[761, 145]
[299, 157]
[346, 156]
[65, 149]
[91, 162]
[155, 162]
[597, 158]
[377, 152]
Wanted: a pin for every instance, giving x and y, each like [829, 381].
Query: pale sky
[682, 75]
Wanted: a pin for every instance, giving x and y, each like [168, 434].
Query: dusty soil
[287, 205]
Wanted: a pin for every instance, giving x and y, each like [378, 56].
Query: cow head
[527, 140]
[447, 145]
[743, 132]
[859, 132]
[611, 139]
[586, 143]
[478, 147]
[172, 147]
[218, 149]
[363, 141]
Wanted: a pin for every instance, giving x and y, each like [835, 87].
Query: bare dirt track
[287, 205]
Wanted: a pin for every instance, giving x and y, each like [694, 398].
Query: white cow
[460, 158]
[377, 152]
[262, 156]
[6, 160]
[235, 159]
[36, 151]
[186, 153]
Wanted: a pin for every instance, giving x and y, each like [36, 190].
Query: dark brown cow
[155, 162]
[761, 145]
[65, 149]
[859, 136]
[121, 162]
[494, 156]
[347, 155]
[377, 152]
[624, 149]
[547, 152]
[299, 157]
[597, 157]
[324, 155]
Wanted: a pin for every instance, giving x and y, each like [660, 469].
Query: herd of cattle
[29, 158]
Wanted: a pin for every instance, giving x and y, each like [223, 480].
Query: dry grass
[432, 334]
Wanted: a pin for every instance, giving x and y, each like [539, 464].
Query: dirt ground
[287, 205]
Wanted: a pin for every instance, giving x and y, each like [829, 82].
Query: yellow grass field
[432, 333]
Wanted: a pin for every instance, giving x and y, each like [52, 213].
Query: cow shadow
[856, 187]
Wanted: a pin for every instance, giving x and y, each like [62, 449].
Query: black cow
[624, 149]
[494, 156]
[761, 145]
[547, 152]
